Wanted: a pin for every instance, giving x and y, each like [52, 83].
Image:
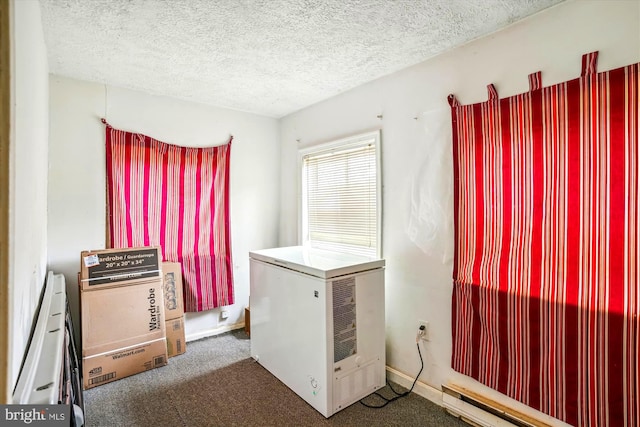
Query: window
[341, 207]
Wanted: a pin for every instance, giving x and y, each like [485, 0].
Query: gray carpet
[216, 383]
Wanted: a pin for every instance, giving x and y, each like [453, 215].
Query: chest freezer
[317, 323]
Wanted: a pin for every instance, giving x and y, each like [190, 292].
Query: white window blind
[340, 197]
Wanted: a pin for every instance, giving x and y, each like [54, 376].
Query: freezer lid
[317, 262]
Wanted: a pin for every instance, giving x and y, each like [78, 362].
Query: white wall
[28, 177]
[77, 176]
[416, 154]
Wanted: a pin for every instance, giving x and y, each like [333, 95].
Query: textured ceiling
[270, 57]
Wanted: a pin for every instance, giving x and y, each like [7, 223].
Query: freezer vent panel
[354, 385]
[345, 341]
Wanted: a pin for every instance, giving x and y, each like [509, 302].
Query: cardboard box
[176, 343]
[121, 317]
[117, 267]
[173, 308]
[104, 368]
[174, 303]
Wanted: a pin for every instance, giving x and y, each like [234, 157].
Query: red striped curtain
[546, 281]
[176, 198]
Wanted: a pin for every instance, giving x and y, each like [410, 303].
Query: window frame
[352, 141]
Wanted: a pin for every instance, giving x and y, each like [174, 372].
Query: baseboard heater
[478, 410]
[50, 374]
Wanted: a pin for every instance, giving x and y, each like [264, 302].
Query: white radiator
[480, 410]
[49, 375]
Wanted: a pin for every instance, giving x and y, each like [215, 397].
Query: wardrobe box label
[116, 267]
[176, 343]
[173, 300]
[113, 318]
[111, 366]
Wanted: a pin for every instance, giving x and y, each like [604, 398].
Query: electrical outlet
[424, 333]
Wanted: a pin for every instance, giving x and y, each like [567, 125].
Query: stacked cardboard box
[173, 308]
[122, 314]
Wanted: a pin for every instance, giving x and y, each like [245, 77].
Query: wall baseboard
[470, 413]
[421, 389]
[487, 411]
[213, 332]
[456, 408]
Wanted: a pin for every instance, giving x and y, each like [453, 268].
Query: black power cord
[397, 395]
